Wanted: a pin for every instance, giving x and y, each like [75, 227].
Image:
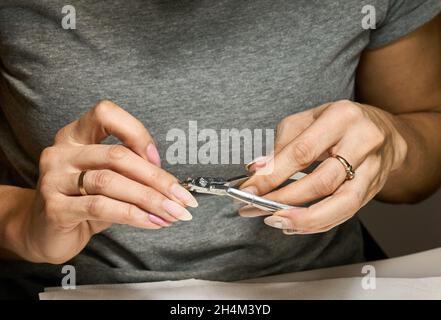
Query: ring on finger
[350, 173]
[81, 187]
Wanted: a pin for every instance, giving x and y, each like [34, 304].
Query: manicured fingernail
[266, 168]
[176, 210]
[184, 195]
[290, 232]
[153, 155]
[278, 222]
[143, 217]
[256, 163]
[157, 220]
[250, 212]
[250, 189]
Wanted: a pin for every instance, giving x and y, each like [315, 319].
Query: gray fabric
[227, 64]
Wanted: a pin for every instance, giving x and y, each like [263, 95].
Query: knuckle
[266, 182]
[145, 196]
[101, 180]
[101, 110]
[95, 206]
[348, 109]
[128, 214]
[325, 184]
[343, 102]
[61, 134]
[283, 124]
[49, 157]
[380, 137]
[116, 152]
[342, 105]
[302, 153]
[288, 123]
[375, 135]
[51, 209]
[45, 185]
[103, 107]
[355, 201]
[155, 175]
[140, 133]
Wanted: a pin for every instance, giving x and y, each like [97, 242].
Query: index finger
[290, 127]
[108, 119]
[301, 152]
[333, 210]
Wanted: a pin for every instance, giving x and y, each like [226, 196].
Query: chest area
[170, 62]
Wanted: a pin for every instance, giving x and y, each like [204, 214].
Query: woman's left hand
[367, 137]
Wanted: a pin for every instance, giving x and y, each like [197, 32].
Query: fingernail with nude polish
[250, 189]
[279, 222]
[142, 218]
[157, 220]
[263, 166]
[176, 210]
[249, 211]
[256, 163]
[184, 195]
[153, 155]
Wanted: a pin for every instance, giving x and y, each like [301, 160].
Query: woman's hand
[124, 185]
[365, 136]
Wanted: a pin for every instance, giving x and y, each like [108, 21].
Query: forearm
[14, 221]
[420, 174]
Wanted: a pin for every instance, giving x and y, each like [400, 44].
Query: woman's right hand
[124, 185]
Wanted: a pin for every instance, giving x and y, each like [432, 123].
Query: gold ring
[81, 183]
[350, 173]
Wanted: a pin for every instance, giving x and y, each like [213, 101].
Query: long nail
[143, 217]
[157, 220]
[250, 189]
[153, 155]
[264, 168]
[279, 222]
[184, 195]
[176, 210]
[249, 211]
[256, 163]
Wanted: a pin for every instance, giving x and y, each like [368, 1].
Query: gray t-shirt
[226, 64]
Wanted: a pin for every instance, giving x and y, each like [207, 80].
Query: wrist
[401, 181]
[15, 221]
[400, 145]
[395, 149]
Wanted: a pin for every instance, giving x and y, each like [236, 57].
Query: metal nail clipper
[229, 187]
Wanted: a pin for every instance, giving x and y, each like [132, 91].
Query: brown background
[404, 229]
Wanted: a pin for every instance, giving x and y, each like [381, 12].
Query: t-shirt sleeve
[403, 17]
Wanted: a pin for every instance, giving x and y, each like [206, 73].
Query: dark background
[404, 229]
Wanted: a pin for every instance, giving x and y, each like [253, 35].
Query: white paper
[416, 276]
[346, 288]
